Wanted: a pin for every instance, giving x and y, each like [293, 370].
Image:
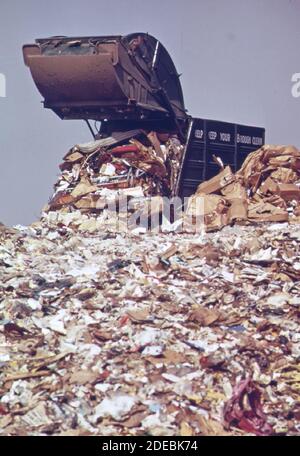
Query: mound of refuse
[132, 164]
[142, 167]
[265, 189]
[157, 334]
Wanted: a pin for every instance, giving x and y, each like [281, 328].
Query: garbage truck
[129, 82]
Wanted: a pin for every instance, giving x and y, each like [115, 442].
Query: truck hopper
[130, 82]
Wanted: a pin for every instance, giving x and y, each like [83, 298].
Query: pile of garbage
[134, 164]
[114, 333]
[154, 334]
[265, 189]
[140, 166]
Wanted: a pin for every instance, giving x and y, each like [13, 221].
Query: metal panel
[248, 139]
[220, 133]
[231, 142]
[115, 78]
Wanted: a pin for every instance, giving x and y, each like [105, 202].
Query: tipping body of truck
[130, 82]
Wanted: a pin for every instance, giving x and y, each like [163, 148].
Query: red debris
[123, 320]
[123, 149]
[251, 419]
[3, 410]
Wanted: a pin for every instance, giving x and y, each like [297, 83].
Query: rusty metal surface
[66, 79]
[113, 77]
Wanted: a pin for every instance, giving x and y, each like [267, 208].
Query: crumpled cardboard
[288, 192]
[265, 189]
[217, 182]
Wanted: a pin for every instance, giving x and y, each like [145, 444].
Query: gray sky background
[237, 58]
